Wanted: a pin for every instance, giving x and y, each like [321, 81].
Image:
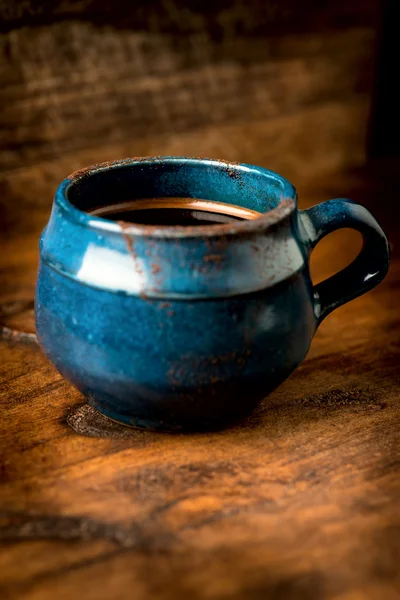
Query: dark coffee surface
[175, 212]
[171, 217]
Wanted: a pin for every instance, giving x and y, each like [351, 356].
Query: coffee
[175, 211]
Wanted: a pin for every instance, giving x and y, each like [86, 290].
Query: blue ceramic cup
[188, 328]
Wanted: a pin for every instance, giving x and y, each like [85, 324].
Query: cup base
[192, 426]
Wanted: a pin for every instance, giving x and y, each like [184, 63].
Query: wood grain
[70, 86]
[298, 502]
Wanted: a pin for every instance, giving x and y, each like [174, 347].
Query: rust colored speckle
[216, 259]
[151, 159]
[233, 174]
[155, 268]
[129, 241]
[111, 163]
[128, 238]
[284, 204]
[92, 168]
[222, 161]
[165, 304]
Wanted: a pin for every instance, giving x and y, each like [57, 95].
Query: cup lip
[286, 206]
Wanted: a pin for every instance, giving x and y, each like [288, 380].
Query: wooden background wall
[283, 84]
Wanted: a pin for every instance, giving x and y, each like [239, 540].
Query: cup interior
[241, 185]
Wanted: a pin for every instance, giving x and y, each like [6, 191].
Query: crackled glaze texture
[184, 328]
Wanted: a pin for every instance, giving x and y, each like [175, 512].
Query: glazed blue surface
[188, 328]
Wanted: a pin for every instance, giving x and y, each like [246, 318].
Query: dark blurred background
[301, 87]
[288, 83]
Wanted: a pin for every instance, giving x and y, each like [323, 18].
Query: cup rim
[285, 207]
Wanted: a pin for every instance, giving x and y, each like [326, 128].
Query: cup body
[176, 328]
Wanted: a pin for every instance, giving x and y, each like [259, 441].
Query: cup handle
[369, 267]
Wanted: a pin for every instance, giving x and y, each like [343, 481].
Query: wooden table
[299, 502]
